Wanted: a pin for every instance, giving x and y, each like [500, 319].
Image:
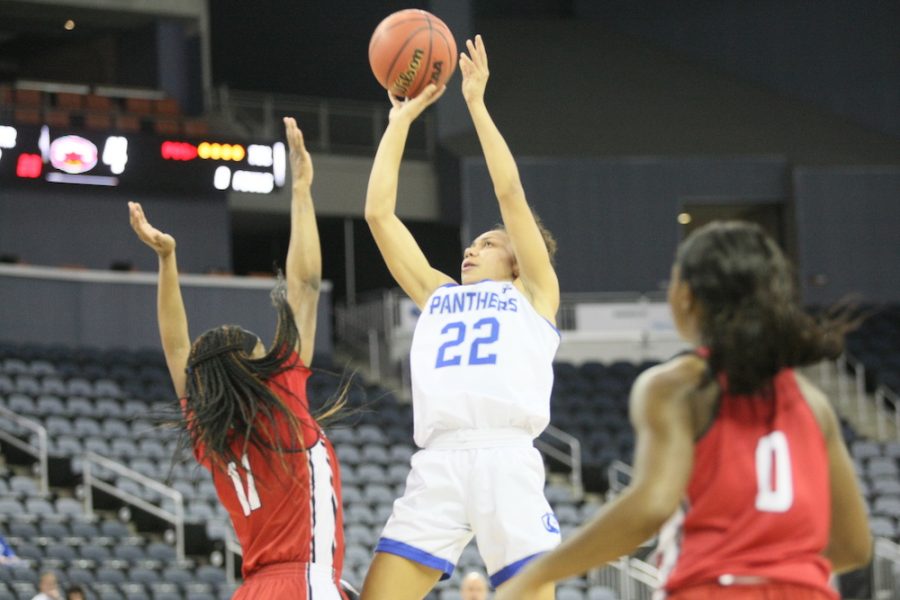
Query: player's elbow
[374, 214]
[302, 290]
[852, 553]
[655, 507]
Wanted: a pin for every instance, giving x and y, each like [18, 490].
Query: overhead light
[70, 25]
[684, 218]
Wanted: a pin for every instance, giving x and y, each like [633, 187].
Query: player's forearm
[500, 161]
[617, 530]
[173, 326]
[381, 195]
[304, 258]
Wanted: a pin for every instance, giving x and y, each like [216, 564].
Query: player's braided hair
[750, 318]
[227, 397]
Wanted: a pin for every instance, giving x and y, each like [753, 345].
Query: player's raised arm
[173, 325]
[535, 268]
[404, 258]
[304, 259]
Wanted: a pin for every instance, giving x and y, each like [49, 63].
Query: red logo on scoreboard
[29, 166]
[178, 151]
[73, 154]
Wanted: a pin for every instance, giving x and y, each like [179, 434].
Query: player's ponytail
[227, 397]
[750, 319]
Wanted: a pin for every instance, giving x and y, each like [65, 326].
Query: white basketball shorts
[461, 487]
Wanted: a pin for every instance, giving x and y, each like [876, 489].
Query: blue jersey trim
[416, 555]
[500, 577]
[553, 326]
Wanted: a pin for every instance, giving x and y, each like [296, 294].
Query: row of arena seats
[111, 559]
[374, 446]
[84, 399]
[77, 107]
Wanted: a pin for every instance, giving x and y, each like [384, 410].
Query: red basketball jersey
[758, 502]
[292, 514]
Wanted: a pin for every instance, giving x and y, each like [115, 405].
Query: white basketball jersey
[481, 359]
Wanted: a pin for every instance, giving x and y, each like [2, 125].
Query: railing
[886, 570]
[571, 459]
[849, 377]
[887, 403]
[363, 329]
[232, 549]
[328, 125]
[619, 475]
[175, 516]
[631, 578]
[40, 452]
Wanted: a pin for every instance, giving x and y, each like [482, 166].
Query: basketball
[410, 49]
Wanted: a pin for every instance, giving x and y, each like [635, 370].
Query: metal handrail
[232, 549]
[571, 459]
[41, 452]
[884, 395]
[885, 565]
[176, 517]
[263, 109]
[615, 468]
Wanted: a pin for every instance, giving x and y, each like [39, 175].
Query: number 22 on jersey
[775, 490]
[485, 331]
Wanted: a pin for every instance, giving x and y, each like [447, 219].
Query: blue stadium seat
[6, 384]
[569, 593]
[134, 591]
[54, 529]
[79, 406]
[21, 403]
[601, 593]
[143, 575]
[23, 487]
[65, 445]
[110, 575]
[78, 386]
[123, 448]
[27, 384]
[161, 552]
[69, 507]
[369, 473]
[22, 529]
[211, 575]
[47, 405]
[84, 529]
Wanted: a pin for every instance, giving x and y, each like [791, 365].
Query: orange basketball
[410, 49]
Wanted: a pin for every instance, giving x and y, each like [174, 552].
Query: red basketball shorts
[766, 591]
[289, 581]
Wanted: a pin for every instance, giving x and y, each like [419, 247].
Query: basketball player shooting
[481, 363]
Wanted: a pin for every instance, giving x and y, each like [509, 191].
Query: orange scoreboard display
[35, 156]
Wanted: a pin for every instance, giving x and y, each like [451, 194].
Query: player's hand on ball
[474, 68]
[408, 109]
[162, 243]
[301, 162]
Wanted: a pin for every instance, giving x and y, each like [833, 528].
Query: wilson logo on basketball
[436, 72]
[407, 77]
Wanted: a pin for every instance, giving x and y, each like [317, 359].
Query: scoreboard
[39, 156]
